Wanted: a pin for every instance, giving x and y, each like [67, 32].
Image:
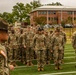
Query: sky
[7, 5]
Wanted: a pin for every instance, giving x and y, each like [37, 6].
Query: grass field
[68, 66]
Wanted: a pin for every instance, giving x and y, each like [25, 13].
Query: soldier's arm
[52, 43]
[1, 63]
[73, 40]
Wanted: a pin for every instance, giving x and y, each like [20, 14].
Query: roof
[67, 8]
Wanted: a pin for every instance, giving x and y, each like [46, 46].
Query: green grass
[49, 68]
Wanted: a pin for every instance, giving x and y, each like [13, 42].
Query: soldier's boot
[62, 61]
[42, 69]
[31, 64]
[56, 67]
[59, 67]
[28, 64]
[48, 62]
[39, 69]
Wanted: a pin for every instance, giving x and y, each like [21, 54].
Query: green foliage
[55, 4]
[40, 20]
[20, 12]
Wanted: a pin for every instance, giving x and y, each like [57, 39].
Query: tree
[35, 4]
[19, 12]
[55, 4]
[40, 20]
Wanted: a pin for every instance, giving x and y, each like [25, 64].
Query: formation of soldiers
[35, 42]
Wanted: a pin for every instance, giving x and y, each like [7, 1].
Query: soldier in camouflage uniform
[47, 52]
[39, 44]
[21, 53]
[65, 40]
[4, 67]
[13, 47]
[50, 36]
[28, 37]
[57, 44]
[74, 42]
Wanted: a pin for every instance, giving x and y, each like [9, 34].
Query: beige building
[54, 14]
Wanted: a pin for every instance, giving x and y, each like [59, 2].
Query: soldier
[28, 37]
[57, 44]
[13, 47]
[21, 51]
[65, 40]
[47, 52]
[50, 36]
[39, 44]
[74, 42]
[4, 67]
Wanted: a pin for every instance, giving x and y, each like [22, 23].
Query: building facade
[54, 14]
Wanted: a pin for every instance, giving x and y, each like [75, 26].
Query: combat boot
[59, 67]
[56, 68]
[31, 64]
[39, 69]
[48, 62]
[28, 64]
[42, 69]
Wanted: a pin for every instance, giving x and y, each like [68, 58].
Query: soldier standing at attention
[57, 43]
[39, 44]
[65, 40]
[47, 52]
[4, 67]
[28, 38]
[74, 42]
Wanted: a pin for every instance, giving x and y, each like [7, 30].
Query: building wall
[53, 15]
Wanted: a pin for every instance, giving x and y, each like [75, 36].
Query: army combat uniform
[57, 44]
[28, 38]
[4, 69]
[74, 42]
[39, 43]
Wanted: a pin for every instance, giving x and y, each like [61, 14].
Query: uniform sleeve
[52, 43]
[1, 64]
[74, 40]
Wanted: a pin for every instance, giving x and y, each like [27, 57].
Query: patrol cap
[57, 29]
[40, 29]
[3, 25]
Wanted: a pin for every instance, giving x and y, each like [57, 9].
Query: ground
[68, 66]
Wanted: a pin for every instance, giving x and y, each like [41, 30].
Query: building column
[73, 17]
[47, 16]
[61, 16]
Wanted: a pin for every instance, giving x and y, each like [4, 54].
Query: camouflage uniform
[65, 39]
[39, 43]
[13, 48]
[57, 44]
[74, 42]
[21, 50]
[47, 52]
[28, 37]
[4, 69]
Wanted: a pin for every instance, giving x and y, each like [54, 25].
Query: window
[49, 18]
[70, 12]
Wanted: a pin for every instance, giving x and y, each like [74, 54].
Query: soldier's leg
[38, 53]
[60, 55]
[56, 59]
[30, 56]
[43, 59]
